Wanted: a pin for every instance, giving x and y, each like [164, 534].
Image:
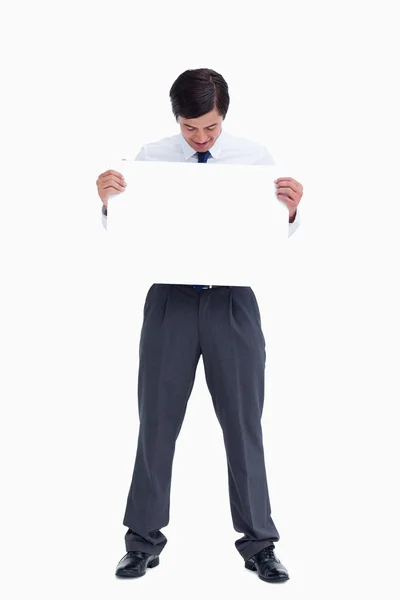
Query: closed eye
[209, 128]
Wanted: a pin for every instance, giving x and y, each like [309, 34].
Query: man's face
[202, 132]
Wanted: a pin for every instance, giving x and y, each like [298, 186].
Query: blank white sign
[193, 223]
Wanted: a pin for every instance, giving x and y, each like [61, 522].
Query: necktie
[202, 158]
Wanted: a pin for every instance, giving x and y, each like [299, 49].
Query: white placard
[190, 223]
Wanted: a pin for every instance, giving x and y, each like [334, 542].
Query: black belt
[206, 287]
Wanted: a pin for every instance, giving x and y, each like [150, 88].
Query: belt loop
[210, 286]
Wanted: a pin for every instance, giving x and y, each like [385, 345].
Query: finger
[285, 179]
[289, 194]
[111, 179]
[104, 179]
[111, 172]
[287, 190]
[114, 186]
[289, 182]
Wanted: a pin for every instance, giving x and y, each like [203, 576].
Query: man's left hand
[290, 192]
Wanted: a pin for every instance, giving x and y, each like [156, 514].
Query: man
[182, 322]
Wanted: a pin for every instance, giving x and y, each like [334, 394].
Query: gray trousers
[224, 325]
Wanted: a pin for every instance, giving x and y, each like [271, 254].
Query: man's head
[200, 101]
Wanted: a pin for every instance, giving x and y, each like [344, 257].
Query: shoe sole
[153, 563]
[251, 566]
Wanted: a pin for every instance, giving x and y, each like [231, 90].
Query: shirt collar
[215, 150]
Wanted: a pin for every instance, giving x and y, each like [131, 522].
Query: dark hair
[196, 92]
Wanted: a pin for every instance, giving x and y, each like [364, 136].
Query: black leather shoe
[135, 563]
[268, 566]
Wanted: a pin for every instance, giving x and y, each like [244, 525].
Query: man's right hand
[110, 182]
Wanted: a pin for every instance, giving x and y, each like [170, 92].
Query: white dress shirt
[227, 149]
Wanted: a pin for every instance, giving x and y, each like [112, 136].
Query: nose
[200, 139]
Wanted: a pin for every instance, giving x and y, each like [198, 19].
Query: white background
[87, 83]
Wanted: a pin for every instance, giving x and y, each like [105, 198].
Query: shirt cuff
[104, 216]
[296, 223]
